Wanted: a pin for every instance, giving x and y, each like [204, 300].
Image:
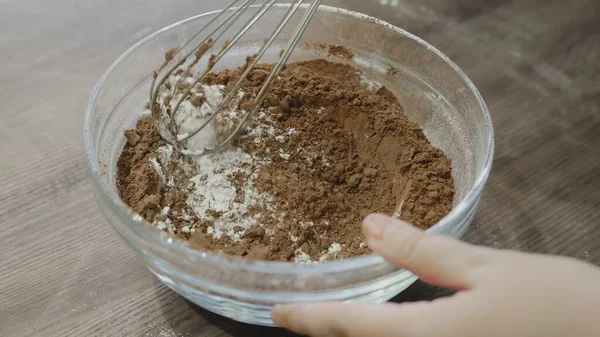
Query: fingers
[435, 259]
[346, 320]
[421, 319]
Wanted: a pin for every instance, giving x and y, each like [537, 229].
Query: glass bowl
[434, 91]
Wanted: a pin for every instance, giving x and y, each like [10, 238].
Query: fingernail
[374, 226]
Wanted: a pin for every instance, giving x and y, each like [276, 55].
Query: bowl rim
[143, 228]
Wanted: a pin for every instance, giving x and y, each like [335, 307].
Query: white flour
[302, 257]
[211, 186]
[212, 189]
[188, 118]
[370, 84]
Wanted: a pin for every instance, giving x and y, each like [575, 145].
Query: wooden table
[64, 272]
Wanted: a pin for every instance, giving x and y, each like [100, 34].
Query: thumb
[435, 259]
[442, 317]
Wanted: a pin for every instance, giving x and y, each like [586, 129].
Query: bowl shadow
[201, 322]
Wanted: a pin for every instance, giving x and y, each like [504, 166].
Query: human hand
[500, 293]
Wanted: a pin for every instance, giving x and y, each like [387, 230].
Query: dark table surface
[64, 272]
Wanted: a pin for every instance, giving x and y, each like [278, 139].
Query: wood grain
[64, 272]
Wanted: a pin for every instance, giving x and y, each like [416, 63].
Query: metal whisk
[217, 30]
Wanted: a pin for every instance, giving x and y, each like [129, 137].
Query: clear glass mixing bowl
[433, 90]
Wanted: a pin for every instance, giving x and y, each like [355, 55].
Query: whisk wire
[209, 40]
[219, 56]
[176, 139]
[233, 92]
[238, 10]
[300, 29]
[166, 62]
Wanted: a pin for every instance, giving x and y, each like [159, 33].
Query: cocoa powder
[330, 50]
[338, 153]
[137, 182]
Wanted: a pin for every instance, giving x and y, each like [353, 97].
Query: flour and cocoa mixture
[325, 151]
